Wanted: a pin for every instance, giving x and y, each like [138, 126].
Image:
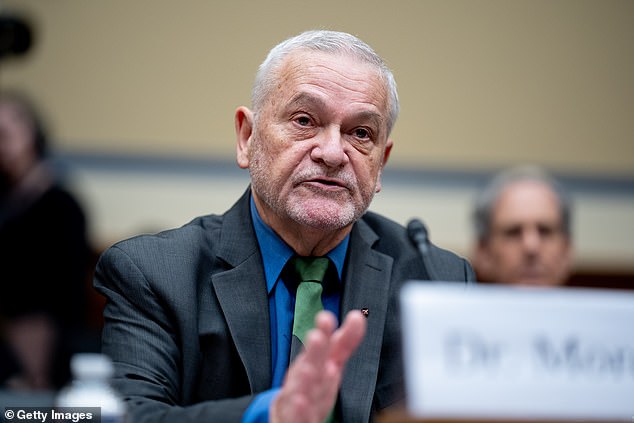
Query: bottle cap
[91, 366]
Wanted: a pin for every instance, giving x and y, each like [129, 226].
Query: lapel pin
[365, 312]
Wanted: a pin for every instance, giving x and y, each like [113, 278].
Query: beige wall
[482, 83]
[125, 202]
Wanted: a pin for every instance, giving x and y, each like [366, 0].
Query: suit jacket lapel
[366, 285]
[241, 292]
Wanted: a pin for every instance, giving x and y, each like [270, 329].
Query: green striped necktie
[310, 273]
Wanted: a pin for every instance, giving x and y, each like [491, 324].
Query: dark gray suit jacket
[187, 322]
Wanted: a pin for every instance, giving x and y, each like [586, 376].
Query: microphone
[417, 233]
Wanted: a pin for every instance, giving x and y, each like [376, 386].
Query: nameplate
[501, 352]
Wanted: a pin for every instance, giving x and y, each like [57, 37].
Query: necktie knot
[309, 269]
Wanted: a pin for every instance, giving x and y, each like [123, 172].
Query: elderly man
[206, 323]
[522, 225]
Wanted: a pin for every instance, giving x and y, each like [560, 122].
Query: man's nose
[531, 239]
[330, 147]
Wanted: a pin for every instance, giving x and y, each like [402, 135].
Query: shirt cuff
[258, 411]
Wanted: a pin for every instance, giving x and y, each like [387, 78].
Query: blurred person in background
[522, 223]
[44, 256]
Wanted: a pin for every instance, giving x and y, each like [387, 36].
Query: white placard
[484, 351]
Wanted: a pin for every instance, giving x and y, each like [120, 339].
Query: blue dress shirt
[275, 253]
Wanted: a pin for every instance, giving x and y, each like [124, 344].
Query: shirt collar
[275, 252]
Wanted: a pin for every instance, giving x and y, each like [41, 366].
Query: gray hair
[487, 198]
[328, 42]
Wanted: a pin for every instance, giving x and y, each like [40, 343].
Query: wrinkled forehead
[527, 201]
[344, 65]
[333, 70]
[307, 58]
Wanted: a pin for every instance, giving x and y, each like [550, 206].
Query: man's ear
[482, 261]
[388, 149]
[386, 156]
[244, 131]
[567, 259]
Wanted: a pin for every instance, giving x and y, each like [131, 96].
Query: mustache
[346, 179]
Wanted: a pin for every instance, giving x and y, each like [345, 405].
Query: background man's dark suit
[187, 320]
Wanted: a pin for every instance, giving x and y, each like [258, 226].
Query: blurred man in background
[522, 222]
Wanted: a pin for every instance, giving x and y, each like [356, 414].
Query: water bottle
[90, 387]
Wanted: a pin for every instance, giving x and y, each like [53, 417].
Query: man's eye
[546, 231]
[361, 133]
[302, 120]
[512, 232]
